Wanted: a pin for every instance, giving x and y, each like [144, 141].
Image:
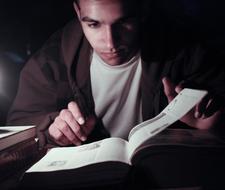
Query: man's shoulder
[63, 43]
[72, 35]
[72, 31]
[66, 35]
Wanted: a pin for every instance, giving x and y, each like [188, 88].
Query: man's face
[111, 27]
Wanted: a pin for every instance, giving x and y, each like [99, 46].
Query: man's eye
[128, 23]
[125, 25]
[93, 25]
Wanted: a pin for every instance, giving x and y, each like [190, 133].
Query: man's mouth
[111, 55]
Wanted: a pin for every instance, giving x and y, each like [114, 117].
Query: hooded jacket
[60, 72]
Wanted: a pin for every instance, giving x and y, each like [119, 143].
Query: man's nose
[110, 39]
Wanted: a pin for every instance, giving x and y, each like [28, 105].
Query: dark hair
[133, 2]
[142, 7]
[76, 1]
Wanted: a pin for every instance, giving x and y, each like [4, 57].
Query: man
[101, 75]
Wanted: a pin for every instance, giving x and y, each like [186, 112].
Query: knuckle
[64, 141]
[69, 118]
[57, 119]
[73, 139]
[63, 113]
[77, 129]
[71, 105]
[58, 136]
[64, 127]
[57, 131]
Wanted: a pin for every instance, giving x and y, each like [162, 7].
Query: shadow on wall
[25, 26]
[201, 19]
[10, 67]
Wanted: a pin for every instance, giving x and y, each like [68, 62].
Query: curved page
[177, 108]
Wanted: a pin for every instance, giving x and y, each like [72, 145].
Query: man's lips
[111, 54]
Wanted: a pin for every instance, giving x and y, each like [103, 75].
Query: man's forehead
[127, 7]
[122, 1]
[105, 11]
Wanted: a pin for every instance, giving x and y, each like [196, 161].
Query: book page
[177, 108]
[184, 102]
[64, 158]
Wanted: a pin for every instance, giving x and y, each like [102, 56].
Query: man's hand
[70, 127]
[203, 116]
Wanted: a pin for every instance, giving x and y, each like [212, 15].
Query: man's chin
[114, 59]
[113, 62]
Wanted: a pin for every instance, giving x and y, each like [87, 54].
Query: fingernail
[83, 138]
[197, 114]
[81, 120]
[203, 116]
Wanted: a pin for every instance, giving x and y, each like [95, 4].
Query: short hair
[127, 1]
[76, 2]
[142, 7]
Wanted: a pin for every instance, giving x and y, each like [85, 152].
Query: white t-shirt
[116, 93]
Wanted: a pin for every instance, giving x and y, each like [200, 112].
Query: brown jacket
[60, 73]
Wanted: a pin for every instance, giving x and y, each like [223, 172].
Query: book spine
[18, 158]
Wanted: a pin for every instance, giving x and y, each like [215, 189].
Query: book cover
[11, 135]
[17, 157]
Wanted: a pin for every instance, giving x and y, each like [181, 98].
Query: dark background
[26, 24]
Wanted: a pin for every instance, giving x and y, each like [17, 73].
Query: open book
[77, 164]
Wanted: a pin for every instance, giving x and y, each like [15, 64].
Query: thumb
[169, 89]
[178, 88]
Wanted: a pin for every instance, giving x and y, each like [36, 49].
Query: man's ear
[77, 9]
